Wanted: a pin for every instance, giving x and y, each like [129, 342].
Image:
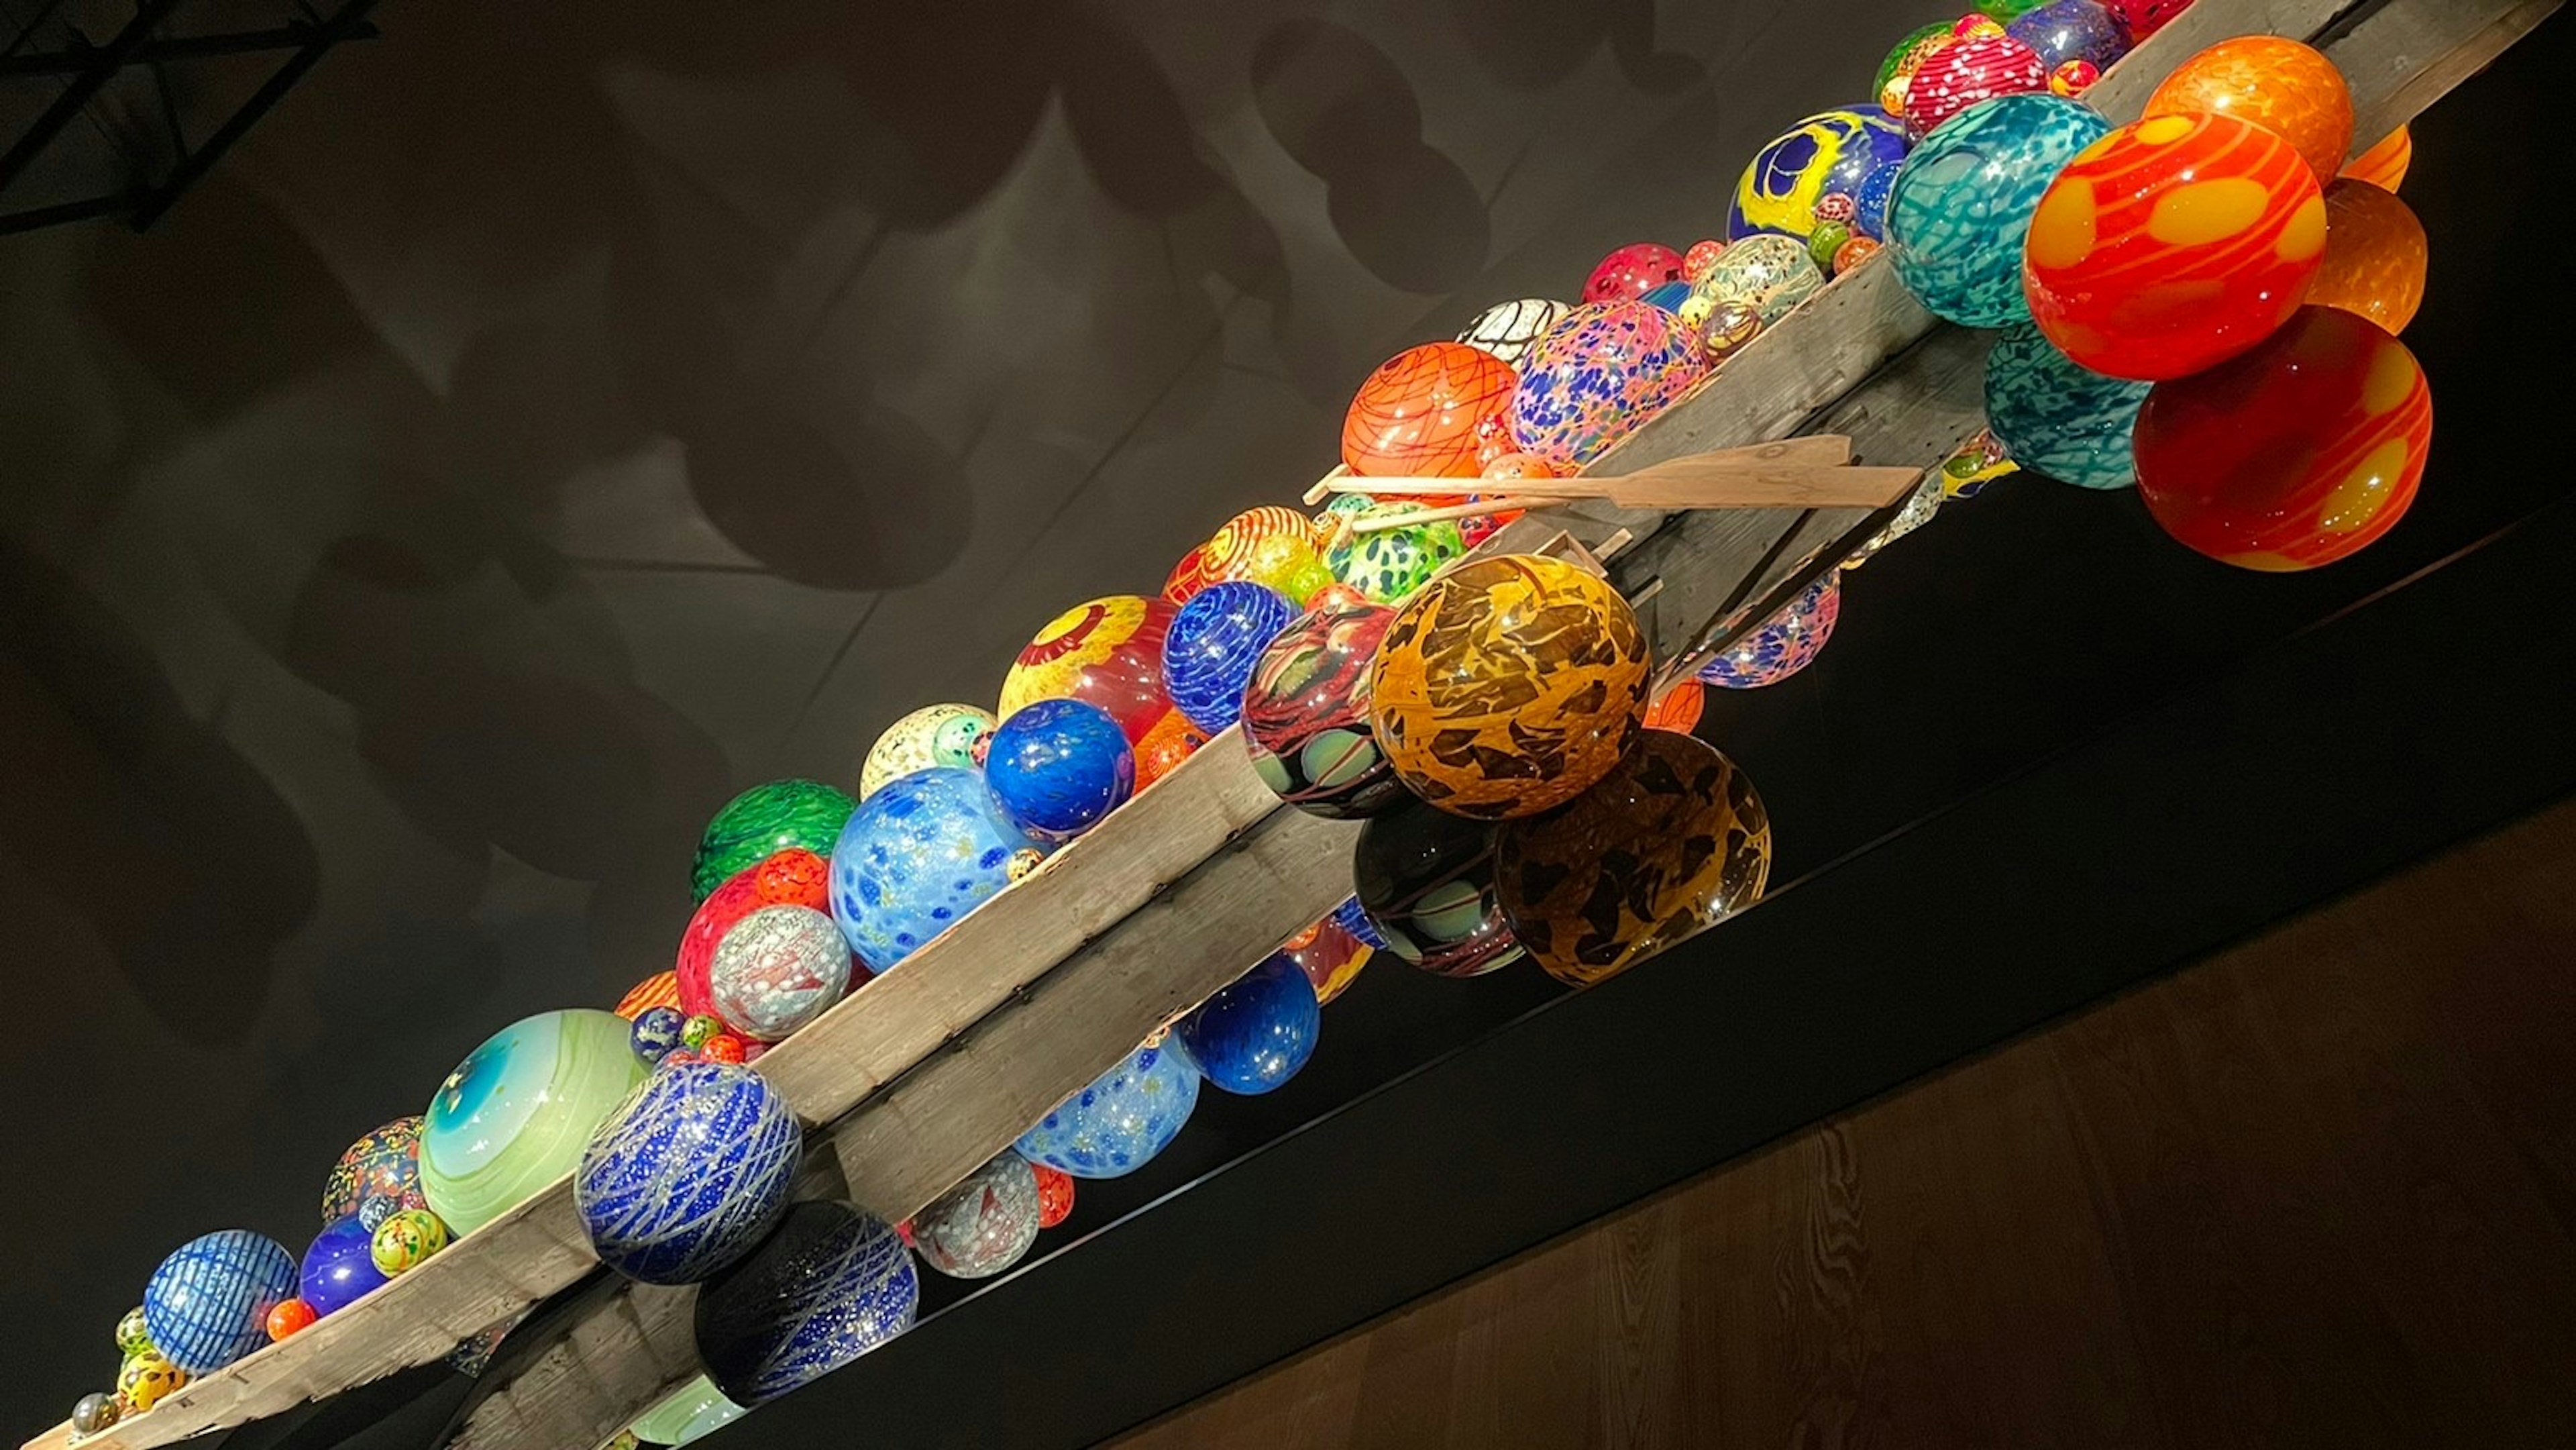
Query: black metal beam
[103, 65]
[185, 47]
[114, 203]
[342, 24]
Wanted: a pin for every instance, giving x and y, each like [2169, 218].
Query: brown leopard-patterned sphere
[1508, 685]
[1670, 842]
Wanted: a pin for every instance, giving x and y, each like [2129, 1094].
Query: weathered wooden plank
[933, 1044]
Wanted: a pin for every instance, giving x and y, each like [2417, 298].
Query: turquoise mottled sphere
[2057, 418]
[1963, 201]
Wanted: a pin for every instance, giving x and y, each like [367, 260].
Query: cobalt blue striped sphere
[207, 1305]
[1213, 644]
[688, 1173]
[831, 1284]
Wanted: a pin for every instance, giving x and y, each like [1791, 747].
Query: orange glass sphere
[1170, 742]
[1270, 545]
[662, 989]
[1507, 685]
[2298, 453]
[1678, 709]
[1187, 578]
[2280, 85]
[2375, 255]
[2173, 244]
[290, 1317]
[2384, 164]
[1417, 414]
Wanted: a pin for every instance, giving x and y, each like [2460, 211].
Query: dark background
[548, 425]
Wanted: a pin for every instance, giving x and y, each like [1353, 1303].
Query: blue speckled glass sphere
[920, 854]
[340, 1267]
[1963, 203]
[1256, 1032]
[1117, 1125]
[830, 1284]
[688, 1173]
[2057, 418]
[656, 1032]
[1213, 645]
[2065, 30]
[1869, 203]
[1059, 767]
[207, 1304]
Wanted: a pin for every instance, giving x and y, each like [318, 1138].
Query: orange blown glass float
[1416, 415]
[2297, 453]
[2384, 165]
[2375, 255]
[2173, 244]
[2280, 85]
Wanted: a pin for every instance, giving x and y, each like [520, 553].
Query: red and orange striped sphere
[2385, 164]
[1187, 578]
[1416, 415]
[2295, 454]
[2173, 244]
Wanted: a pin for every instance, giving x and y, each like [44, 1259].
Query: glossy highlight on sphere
[1960, 207]
[1329, 955]
[1118, 1124]
[207, 1304]
[2072, 30]
[920, 854]
[765, 820]
[515, 1115]
[793, 877]
[931, 735]
[1258, 1030]
[1509, 685]
[828, 1285]
[2278, 84]
[1829, 153]
[405, 1241]
[340, 1267]
[689, 1172]
[1784, 644]
[2172, 245]
[983, 1225]
[1059, 767]
[1671, 842]
[1213, 645]
[1306, 714]
[1605, 369]
[2299, 453]
[1416, 415]
[1426, 884]
[2376, 256]
[2056, 418]
[1109, 653]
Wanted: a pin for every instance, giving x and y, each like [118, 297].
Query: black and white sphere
[1507, 329]
[829, 1285]
[983, 1225]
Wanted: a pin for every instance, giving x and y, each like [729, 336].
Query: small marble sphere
[1631, 272]
[145, 1378]
[1965, 198]
[1728, 327]
[1426, 884]
[1507, 329]
[829, 1284]
[983, 1225]
[405, 1241]
[1257, 1031]
[1786, 643]
[656, 1033]
[339, 1268]
[1770, 274]
[1852, 253]
[1129, 1114]
[1059, 767]
[2057, 418]
[1824, 242]
[777, 970]
[765, 820]
[688, 1173]
[698, 1031]
[931, 735]
[2073, 78]
[385, 1163]
[133, 1333]
[1213, 645]
[1869, 202]
[920, 854]
[205, 1306]
[290, 1318]
[95, 1412]
[512, 1118]
[1055, 1194]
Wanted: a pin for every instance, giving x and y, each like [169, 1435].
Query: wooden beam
[934, 1067]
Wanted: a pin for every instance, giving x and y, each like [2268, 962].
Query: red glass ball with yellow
[2298, 453]
[2173, 244]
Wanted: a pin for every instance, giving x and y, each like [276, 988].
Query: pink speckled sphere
[1633, 271]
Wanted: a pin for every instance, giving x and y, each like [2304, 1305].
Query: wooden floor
[2319, 1190]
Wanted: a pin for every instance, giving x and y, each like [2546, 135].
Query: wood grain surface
[2319, 1189]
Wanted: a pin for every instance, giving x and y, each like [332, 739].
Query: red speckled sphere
[1701, 256]
[2280, 85]
[2172, 245]
[2297, 453]
[1416, 415]
[290, 1317]
[1633, 271]
[1960, 75]
[1055, 1194]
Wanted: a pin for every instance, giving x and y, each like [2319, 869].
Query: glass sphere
[1258, 1030]
[1108, 653]
[1599, 373]
[383, 1164]
[1786, 643]
[765, 820]
[983, 1225]
[2055, 417]
[827, 1285]
[207, 1304]
[340, 1267]
[1213, 645]
[1426, 884]
[777, 970]
[1416, 415]
[1827, 154]
[931, 735]
[1117, 1125]
[1059, 767]
[1963, 202]
[688, 1173]
[514, 1116]
[920, 854]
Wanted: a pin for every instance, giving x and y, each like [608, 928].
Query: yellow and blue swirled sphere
[1827, 153]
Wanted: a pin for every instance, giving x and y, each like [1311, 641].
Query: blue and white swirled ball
[829, 1285]
[1214, 642]
[207, 1305]
[688, 1173]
